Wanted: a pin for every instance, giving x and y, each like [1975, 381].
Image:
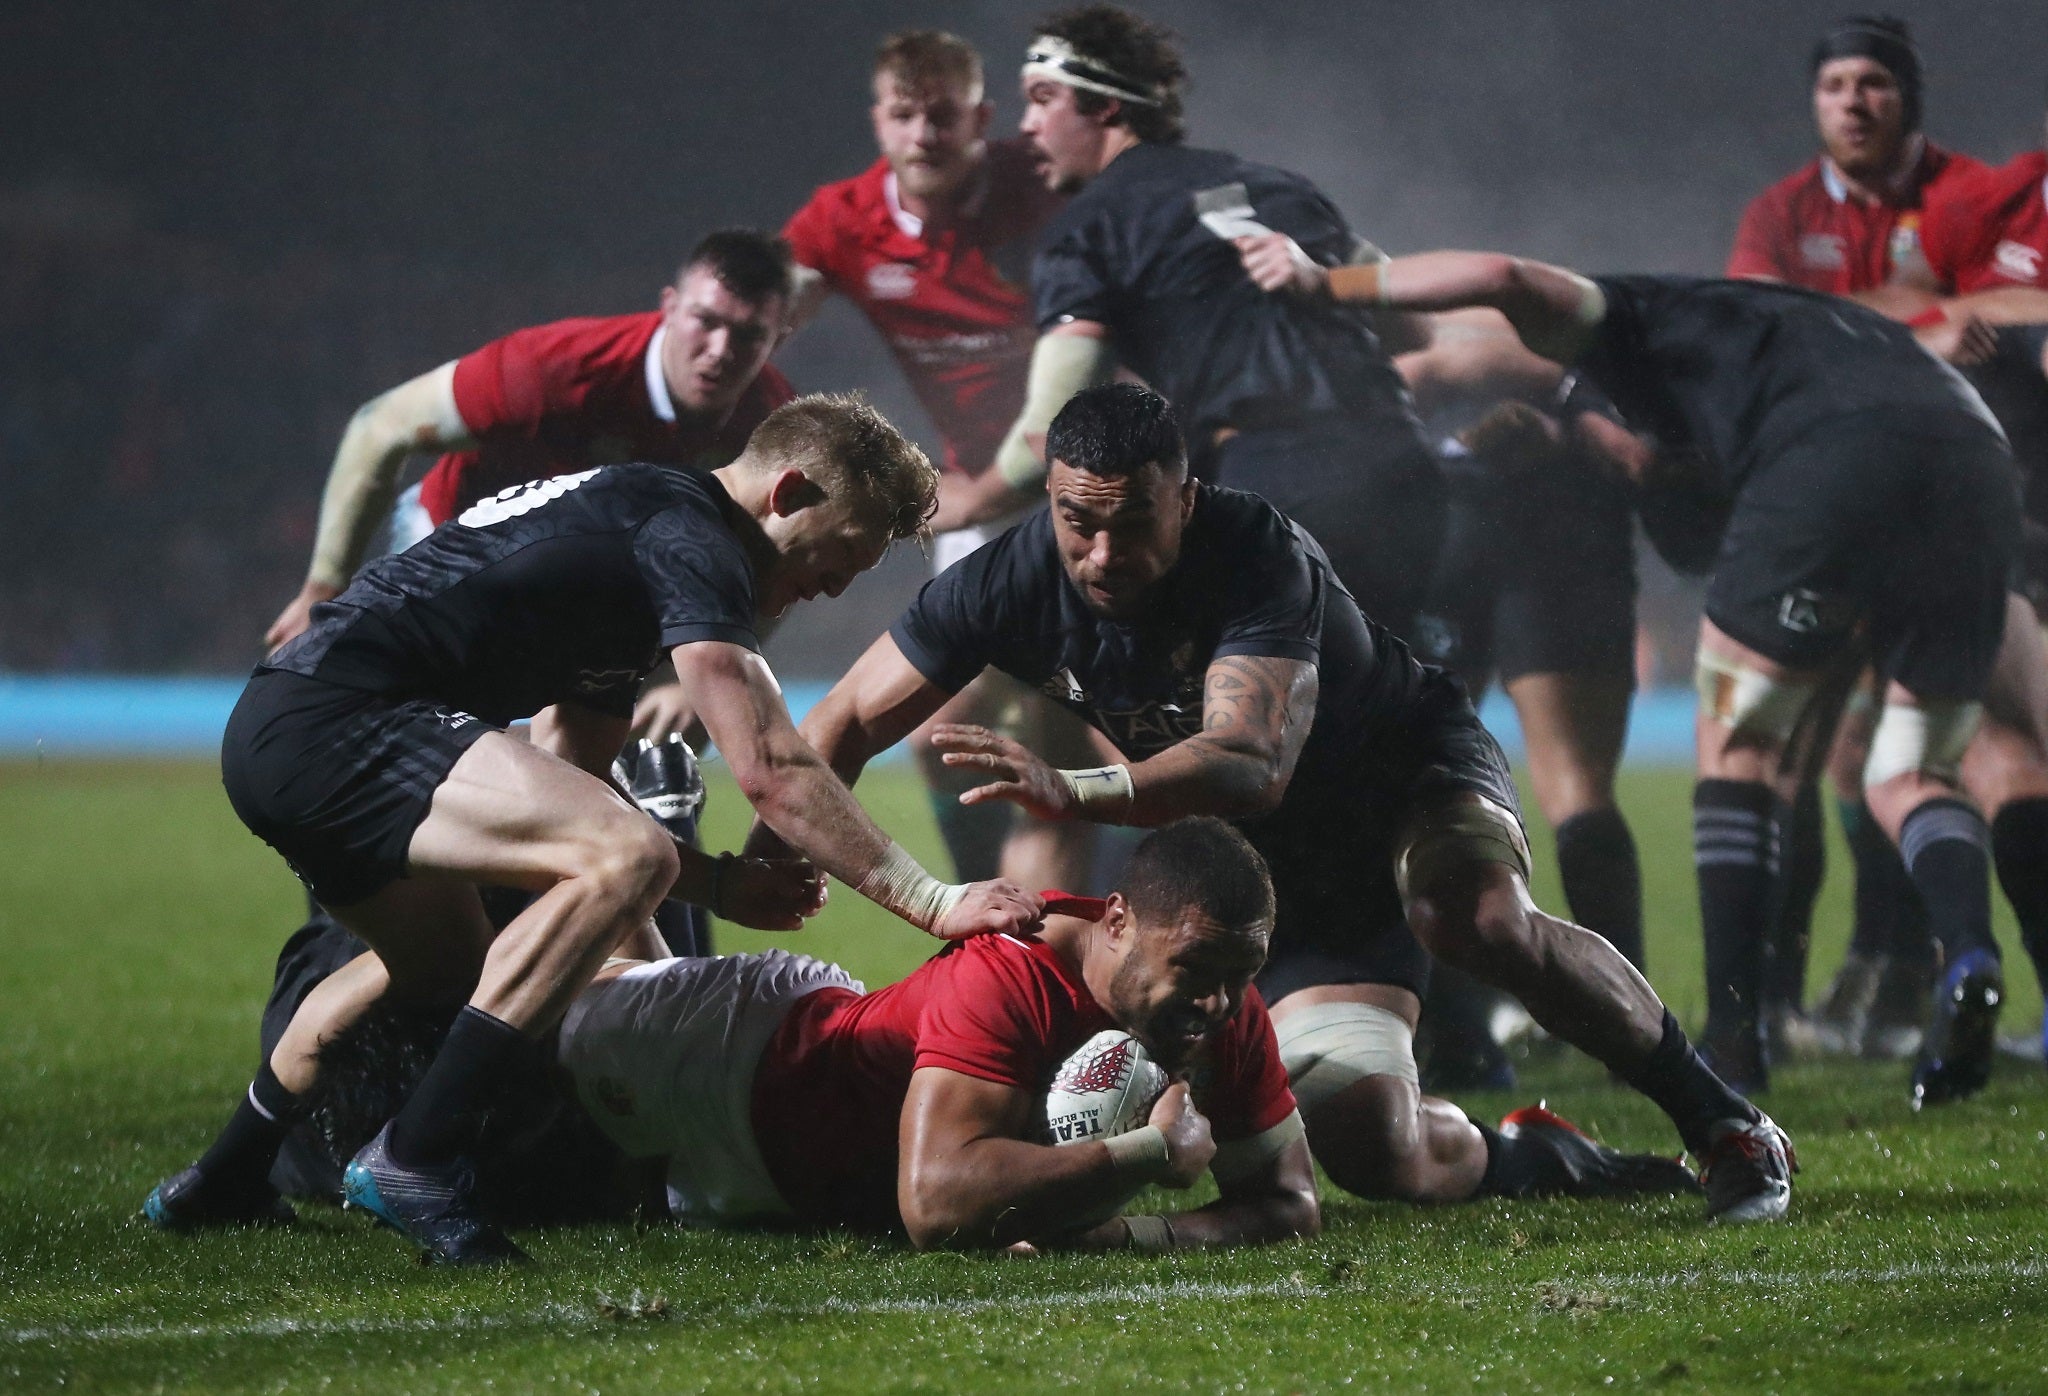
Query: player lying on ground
[932, 242]
[1207, 637]
[770, 1088]
[369, 752]
[1873, 511]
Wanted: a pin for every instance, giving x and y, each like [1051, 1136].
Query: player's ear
[1116, 918]
[793, 492]
[669, 297]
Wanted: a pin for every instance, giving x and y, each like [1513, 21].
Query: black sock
[1500, 1178]
[1803, 854]
[243, 1153]
[1879, 878]
[1947, 853]
[1603, 883]
[2019, 850]
[1686, 1088]
[973, 834]
[1737, 873]
[446, 1115]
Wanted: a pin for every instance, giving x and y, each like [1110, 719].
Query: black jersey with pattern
[1738, 370]
[568, 589]
[1248, 582]
[1132, 252]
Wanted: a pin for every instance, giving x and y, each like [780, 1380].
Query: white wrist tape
[1106, 789]
[1150, 1234]
[898, 883]
[1141, 1153]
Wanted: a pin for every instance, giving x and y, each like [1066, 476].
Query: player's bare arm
[1475, 355]
[796, 794]
[1256, 713]
[1552, 309]
[968, 1178]
[767, 894]
[1267, 1193]
[418, 415]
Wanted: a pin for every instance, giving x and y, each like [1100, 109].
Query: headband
[1059, 61]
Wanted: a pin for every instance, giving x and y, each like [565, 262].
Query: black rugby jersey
[1736, 370]
[564, 589]
[1248, 582]
[1131, 251]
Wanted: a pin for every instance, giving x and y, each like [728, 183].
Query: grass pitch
[138, 923]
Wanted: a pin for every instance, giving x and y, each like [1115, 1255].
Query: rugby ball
[1107, 1088]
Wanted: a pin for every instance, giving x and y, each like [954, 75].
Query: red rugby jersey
[1807, 230]
[573, 394]
[952, 303]
[829, 1090]
[1991, 230]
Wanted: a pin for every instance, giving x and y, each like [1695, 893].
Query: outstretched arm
[1552, 309]
[1267, 1188]
[1256, 713]
[796, 794]
[418, 415]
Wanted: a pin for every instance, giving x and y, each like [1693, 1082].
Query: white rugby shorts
[663, 1059]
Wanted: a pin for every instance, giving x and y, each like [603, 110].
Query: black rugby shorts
[1901, 539]
[336, 780]
[1340, 919]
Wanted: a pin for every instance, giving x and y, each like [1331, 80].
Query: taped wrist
[1140, 1153]
[898, 883]
[1150, 1234]
[1100, 789]
[1360, 282]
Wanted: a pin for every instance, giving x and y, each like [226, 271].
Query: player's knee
[633, 857]
[1491, 936]
[1368, 1146]
[1761, 711]
[1926, 741]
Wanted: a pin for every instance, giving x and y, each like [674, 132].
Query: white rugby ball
[1107, 1088]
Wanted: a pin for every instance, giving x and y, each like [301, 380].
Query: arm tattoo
[1259, 703]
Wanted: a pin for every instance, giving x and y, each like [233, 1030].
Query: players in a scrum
[1824, 429]
[932, 243]
[1208, 638]
[370, 753]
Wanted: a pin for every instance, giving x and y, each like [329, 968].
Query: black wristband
[725, 860]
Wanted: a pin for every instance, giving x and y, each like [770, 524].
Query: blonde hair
[850, 449]
[927, 62]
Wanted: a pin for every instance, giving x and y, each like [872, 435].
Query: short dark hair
[1132, 47]
[751, 264]
[1202, 863]
[930, 62]
[1115, 430]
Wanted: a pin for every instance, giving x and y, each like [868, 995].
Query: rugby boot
[1962, 1034]
[189, 1200]
[1558, 1160]
[1748, 1171]
[433, 1208]
[667, 784]
[1842, 1014]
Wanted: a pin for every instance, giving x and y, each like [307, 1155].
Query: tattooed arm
[1255, 716]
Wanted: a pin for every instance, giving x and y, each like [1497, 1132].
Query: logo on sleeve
[2015, 261]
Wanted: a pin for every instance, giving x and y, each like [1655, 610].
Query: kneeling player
[1207, 637]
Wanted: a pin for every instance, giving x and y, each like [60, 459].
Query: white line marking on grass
[1176, 1291]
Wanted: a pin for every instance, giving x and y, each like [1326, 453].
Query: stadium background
[225, 225]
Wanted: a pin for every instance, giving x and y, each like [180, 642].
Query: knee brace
[1333, 1046]
[1450, 832]
[1929, 739]
[1748, 701]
